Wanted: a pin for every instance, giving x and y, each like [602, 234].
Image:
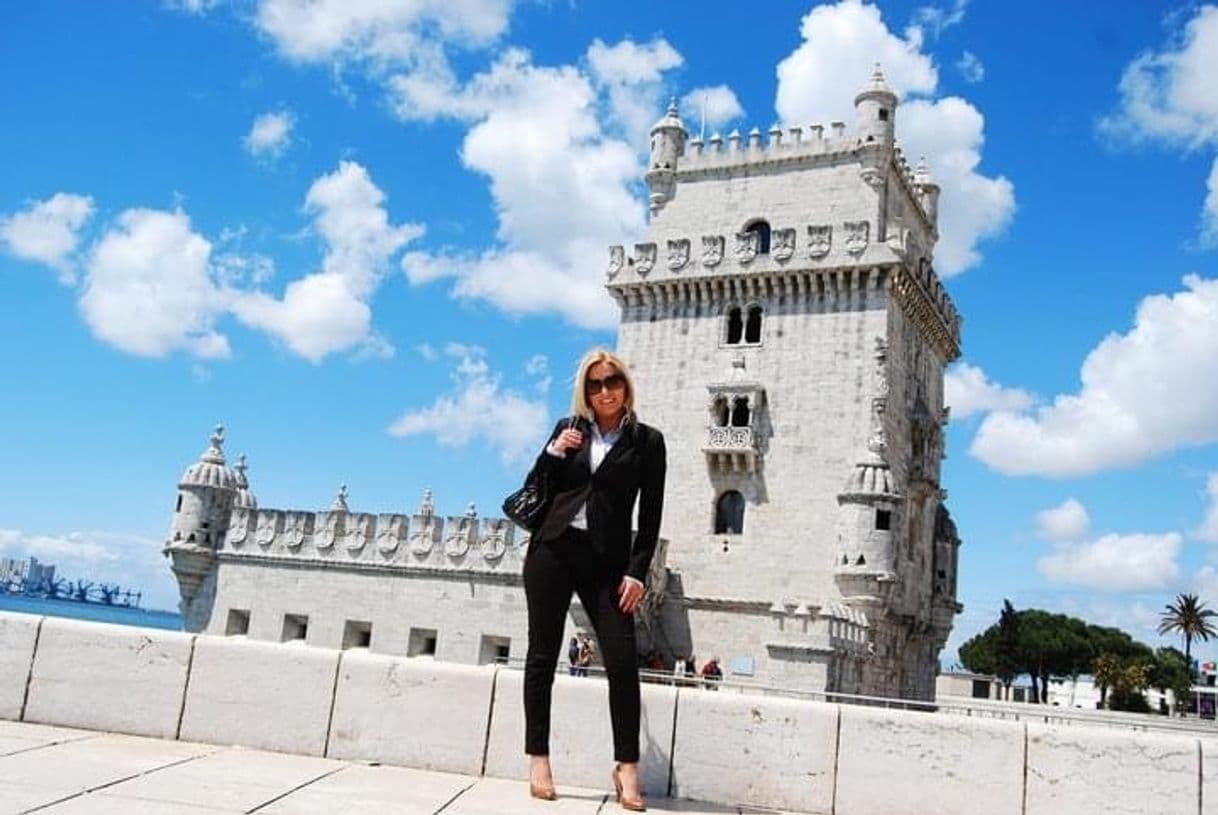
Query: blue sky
[370, 239]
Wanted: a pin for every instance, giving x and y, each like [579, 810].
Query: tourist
[712, 674]
[584, 545]
[583, 657]
[573, 655]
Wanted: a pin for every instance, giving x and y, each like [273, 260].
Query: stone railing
[731, 449]
[461, 542]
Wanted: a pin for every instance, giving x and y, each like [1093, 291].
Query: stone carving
[881, 369]
[644, 257]
[239, 529]
[857, 235]
[820, 240]
[426, 505]
[730, 438]
[617, 258]
[495, 532]
[871, 177]
[462, 532]
[296, 527]
[426, 532]
[390, 532]
[340, 500]
[782, 243]
[678, 253]
[268, 528]
[747, 245]
[358, 531]
[712, 250]
[329, 531]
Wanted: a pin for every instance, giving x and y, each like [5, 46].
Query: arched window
[752, 327]
[763, 236]
[729, 514]
[735, 325]
[721, 412]
[740, 412]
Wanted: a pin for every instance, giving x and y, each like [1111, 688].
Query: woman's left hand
[629, 595]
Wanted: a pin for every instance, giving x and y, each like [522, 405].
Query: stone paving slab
[16, 737]
[232, 778]
[68, 771]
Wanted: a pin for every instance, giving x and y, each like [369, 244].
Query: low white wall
[581, 740]
[260, 694]
[715, 746]
[17, 635]
[1085, 769]
[910, 755]
[108, 677]
[765, 751]
[413, 712]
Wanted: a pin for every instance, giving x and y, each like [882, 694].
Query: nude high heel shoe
[631, 804]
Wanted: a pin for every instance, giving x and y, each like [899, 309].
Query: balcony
[731, 449]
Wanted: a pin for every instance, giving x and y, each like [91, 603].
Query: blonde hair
[579, 396]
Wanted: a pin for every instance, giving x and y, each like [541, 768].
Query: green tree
[1171, 673]
[1191, 619]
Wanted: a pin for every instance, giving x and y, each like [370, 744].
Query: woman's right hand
[568, 439]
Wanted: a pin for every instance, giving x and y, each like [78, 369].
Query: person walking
[598, 464]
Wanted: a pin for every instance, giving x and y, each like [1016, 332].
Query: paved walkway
[61, 770]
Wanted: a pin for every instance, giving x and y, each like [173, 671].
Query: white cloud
[1171, 96]
[970, 67]
[939, 19]
[149, 290]
[718, 104]
[846, 40]
[967, 390]
[479, 409]
[328, 311]
[1066, 523]
[377, 31]
[48, 231]
[199, 7]
[1209, 213]
[1209, 527]
[1137, 562]
[1143, 393]
[535, 134]
[270, 134]
[631, 74]
[132, 561]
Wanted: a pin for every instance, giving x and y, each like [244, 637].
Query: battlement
[360, 540]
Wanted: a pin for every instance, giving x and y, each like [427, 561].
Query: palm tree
[1191, 618]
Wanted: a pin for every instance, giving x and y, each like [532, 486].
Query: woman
[598, 461]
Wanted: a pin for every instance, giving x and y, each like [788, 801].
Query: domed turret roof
[670, 119]
[922, 176]
[209, 470]
[871, 477]
[245, 499]
[876, 86]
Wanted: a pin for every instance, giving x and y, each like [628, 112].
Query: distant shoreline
[97, 612]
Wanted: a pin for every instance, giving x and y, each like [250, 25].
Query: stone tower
[789, 335]
[207, 494]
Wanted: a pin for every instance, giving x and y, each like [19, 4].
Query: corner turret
[668, 137]
[876, 111]
[928, 192]
[201, 517]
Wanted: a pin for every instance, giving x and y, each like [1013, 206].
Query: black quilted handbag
[526, 507]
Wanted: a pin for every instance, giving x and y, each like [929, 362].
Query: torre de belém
[787, 332]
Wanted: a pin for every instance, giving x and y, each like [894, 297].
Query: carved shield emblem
[328, 529]
[359, 530]
[820, 239]
[712, 250]
[295, 528]
[268, 526]
[782, 244]
[239, 530]
[678, 253]
[494, 539]
[460, 537]
[857, 235]
[617, 258]
[747, 244]
[390, 532]
[644, 257]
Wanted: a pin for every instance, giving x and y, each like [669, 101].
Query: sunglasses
[612, 382]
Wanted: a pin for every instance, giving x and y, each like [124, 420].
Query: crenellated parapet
[359, 540]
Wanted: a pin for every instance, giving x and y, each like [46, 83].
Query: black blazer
[633, 468]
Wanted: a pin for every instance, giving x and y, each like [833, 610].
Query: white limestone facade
[787, 332]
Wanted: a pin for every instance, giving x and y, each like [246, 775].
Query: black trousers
[552, 571]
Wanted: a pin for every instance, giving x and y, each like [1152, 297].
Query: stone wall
[721, 747]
